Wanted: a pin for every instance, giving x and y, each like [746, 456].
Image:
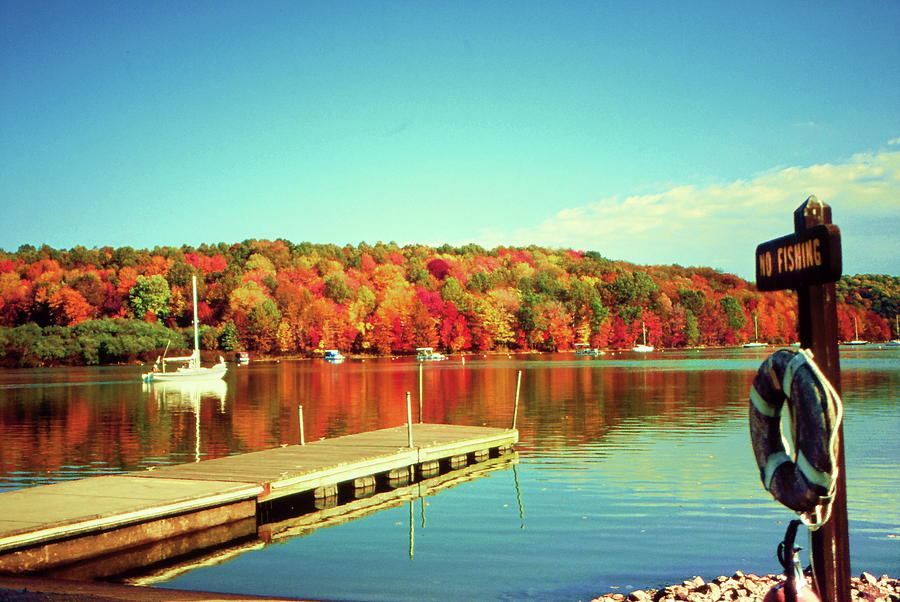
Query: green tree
[734, 316]
[228, 337]
[692, 300]
[150, 294]
[337, 290]
[691, 328]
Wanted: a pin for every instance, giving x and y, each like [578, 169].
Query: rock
[678, 592]
[753, 588]
[694, 583]
[713, 592]
[868, 578]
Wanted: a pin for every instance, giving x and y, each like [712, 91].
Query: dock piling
[409, 419]
[300, 417]
[516, 406]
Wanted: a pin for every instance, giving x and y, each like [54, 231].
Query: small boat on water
[429, 354]
[755, 342]
[895, 342]
[241, 357]
[585, 349]
[334, 356]
[856, 340]
[643, 348]
[190, 369]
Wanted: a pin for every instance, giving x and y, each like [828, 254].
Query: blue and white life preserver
[806, 482]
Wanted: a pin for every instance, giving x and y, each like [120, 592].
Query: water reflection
[71, 422]
[620, 456]
[280, 527]
[176, 398]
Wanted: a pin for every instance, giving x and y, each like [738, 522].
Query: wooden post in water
[409, 419]
[516, 406]
[420, 391]
[300, 416]
[810, 261]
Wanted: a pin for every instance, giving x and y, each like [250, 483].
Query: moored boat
[429, 354]
[190, 369]
[334, 356]
[643, 348]
[856, 340]
[585, 349]
[755, 342]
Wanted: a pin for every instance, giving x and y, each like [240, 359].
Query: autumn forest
[108, 305]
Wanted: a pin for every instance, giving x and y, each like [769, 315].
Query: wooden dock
[49, 526]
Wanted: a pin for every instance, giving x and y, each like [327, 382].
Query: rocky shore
[751, 588]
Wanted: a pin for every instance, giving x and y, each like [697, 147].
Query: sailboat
[190, 370]
[895, 342]
[755, 342]
[644, 348]
[856, 340]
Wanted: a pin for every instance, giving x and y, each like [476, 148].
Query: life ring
[806, 483]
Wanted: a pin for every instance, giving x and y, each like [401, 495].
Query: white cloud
[720, 225]
[894, 141]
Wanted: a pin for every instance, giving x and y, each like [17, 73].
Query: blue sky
[656, 132]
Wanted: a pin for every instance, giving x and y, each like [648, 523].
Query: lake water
[633, 471]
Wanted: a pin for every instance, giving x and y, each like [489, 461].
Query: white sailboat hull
[187, 374]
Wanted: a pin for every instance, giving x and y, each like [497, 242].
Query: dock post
[409, 419]
[817, 326]
[516, 406]
[300, 416]
[420, 392]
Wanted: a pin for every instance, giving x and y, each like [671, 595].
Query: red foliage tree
[68, 307]
[438, 268]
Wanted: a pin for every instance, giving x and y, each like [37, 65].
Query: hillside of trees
[105, 305]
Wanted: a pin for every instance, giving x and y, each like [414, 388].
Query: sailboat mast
[196, 327]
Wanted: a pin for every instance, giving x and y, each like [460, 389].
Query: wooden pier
[218, 501]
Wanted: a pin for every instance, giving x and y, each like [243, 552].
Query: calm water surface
[633, 471]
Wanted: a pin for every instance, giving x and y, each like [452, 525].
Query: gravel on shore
[751, 588]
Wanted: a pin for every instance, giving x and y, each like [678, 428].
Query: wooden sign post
[810, 262]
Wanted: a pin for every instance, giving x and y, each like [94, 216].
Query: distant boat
[585, 349]
[755, 342]
[856, 340]
[241, 357]
[334, 356]
[644, 348]
[895, 342]
[190, 370]
[429, 354]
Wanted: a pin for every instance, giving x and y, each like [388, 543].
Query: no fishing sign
[811, 256]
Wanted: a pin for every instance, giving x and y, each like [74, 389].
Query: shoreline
[739, 587]
[750, 588]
